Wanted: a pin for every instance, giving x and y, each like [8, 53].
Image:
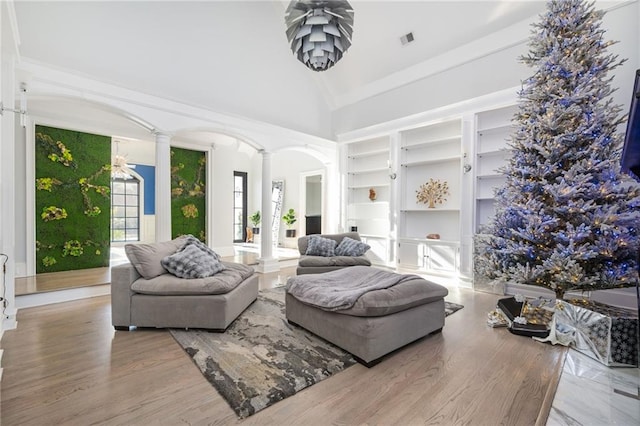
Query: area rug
[451, 308]
[261, 358]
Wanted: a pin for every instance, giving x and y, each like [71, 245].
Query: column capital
[161, 136]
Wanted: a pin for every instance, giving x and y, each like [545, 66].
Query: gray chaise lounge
[380, 322]
[163, 300]
[319, 264]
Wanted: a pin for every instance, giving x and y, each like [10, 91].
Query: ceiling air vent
[406, 39]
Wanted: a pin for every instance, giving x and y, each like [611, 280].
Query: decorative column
[8, 211]
[163, 187]
[266, 261]
[332, 216]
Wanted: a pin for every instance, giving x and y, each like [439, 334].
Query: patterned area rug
[262, 359]
[451, 308]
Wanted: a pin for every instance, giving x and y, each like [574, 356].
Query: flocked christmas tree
[566, 218]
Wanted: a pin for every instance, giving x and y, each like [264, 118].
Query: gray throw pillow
[350, 247]
[320, 246]
[193, 261]
[146, 258]
[190, 239]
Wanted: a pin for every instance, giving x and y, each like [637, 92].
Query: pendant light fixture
[319, 31]
[120, 169]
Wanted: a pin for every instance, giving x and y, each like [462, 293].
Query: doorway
[311, 202]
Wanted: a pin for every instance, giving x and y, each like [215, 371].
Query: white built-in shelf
[429, 210]
[433, 161]
[373, 185]
[507, 128]
[364, 203]
[362, 172]
[494, 153]
[490, 176]
[429, 241]
[384, 237]
[367, 167]
[369, 153]
[430, 151]
[494, 127]
[432, 142]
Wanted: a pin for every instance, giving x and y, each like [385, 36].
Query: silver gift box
[605, 333]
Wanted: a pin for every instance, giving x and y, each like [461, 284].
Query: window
[239, 207]
[125, 210]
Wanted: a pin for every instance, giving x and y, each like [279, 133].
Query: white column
[211, 211]
[333, 214]
[163, 187]
[8, 178]
[266, 261]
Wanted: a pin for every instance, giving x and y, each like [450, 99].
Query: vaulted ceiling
[233, 56]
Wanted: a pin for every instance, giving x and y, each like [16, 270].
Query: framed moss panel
[188, 193]
[72, 199]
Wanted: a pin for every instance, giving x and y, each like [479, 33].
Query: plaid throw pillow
[193, 261]
[350, 247]
[320, 246]
[190, 239]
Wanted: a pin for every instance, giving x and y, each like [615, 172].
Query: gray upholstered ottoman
[379, 322]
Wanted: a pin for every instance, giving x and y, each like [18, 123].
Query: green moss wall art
[188, 193]
[72, 199]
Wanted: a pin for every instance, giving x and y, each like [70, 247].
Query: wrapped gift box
[605, 333]
[537, 313]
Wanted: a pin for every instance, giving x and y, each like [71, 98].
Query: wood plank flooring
[65, 364]
[53, 281]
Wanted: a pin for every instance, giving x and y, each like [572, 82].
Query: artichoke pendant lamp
[319, 31]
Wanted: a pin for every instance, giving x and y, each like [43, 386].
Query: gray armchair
[144, 294]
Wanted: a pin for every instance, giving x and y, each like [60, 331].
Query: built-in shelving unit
[466, 145]
[367, 169]
[493, 128]
[432, 151]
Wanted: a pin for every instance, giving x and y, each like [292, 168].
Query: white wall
[491, 73]
[60, 99]
[621, 25]
[263, 82]
[226, 160]
[9, 124]
[287, 166]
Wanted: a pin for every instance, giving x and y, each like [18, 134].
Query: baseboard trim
[266, 265]
[8, 323]
[47, 298]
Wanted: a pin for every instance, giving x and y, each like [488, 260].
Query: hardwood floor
[65, 364]
[62, 280]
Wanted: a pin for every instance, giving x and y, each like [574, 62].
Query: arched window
[125, 209]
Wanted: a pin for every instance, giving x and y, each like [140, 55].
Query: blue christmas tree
[567, 218]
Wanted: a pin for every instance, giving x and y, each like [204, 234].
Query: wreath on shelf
[433, 192]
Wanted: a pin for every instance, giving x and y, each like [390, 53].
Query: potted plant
[255, 221]
[290, 219]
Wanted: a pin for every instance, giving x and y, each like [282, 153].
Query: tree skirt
[261, 358]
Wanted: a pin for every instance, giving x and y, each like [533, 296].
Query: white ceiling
[233, 56]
